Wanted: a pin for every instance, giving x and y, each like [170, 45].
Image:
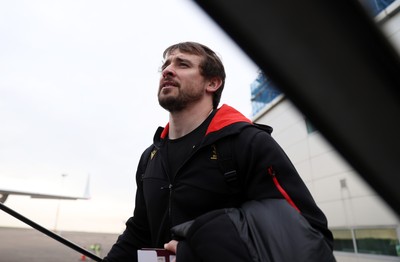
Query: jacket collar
[225, 116]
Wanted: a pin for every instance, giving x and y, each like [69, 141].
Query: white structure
[364, 226]
[361, 222]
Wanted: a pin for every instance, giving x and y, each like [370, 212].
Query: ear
[213, 84]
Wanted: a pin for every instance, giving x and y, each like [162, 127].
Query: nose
[168, 71]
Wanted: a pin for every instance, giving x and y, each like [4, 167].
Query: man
[182, 176]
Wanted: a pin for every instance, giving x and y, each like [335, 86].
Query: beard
[177, 103]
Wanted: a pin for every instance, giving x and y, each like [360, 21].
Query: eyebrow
[178, 59]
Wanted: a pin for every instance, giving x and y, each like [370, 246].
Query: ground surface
[29, 245]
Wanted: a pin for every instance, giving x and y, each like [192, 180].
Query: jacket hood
[225, 116]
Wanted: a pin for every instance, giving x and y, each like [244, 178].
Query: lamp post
[59, 203]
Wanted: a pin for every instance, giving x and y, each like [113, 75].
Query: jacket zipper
[172, 180]
[170, 202]
[271, 172]
[169, 187]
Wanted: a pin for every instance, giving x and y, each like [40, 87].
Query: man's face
[180, 82]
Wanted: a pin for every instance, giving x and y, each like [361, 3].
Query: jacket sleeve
[136, 234]
[268, 173]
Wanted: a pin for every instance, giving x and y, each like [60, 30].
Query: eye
[183, 64]
[164, 65]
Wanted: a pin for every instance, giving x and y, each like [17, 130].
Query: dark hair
[211, 66]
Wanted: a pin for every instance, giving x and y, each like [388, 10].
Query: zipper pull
[271, 171]
[167, 187]
[278, 186]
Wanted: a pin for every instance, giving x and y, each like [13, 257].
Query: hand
[171, 246]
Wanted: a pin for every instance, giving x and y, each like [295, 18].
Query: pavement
[29, 245]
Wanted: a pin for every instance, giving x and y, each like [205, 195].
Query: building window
[343, 240]
[376, 6]
[374, 241]
[377, 241]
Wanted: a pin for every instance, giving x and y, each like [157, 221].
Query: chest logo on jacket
[153, 153]
[214, 153]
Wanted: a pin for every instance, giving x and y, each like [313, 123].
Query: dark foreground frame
[336, 66]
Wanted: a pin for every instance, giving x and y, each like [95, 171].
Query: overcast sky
[78, 83]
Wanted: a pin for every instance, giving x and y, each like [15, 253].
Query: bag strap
[227, 163]
[148, 154]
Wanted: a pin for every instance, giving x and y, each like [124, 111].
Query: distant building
[365, 228]
[263, 91]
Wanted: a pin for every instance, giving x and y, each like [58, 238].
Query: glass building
[263, 91]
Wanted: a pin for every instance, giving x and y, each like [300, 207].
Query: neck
[183, 122]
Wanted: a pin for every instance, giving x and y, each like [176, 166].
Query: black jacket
[267, 230]
[164, 200]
